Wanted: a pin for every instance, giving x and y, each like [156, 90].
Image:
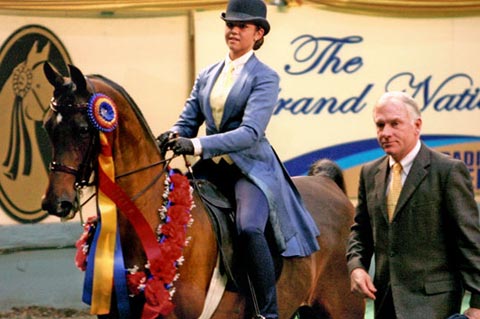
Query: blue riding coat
[241, 135]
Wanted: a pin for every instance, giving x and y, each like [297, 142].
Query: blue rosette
[102, 112]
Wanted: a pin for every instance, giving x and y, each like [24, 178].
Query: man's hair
[406, 99]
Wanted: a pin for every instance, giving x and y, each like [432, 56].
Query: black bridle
[85, 170]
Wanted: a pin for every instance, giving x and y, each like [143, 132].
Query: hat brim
[240, 17]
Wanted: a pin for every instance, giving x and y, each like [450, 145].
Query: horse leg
[294, 284]
[308, 312]
[332, 297]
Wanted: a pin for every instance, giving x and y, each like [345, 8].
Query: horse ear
[54, 77]
[78, 78]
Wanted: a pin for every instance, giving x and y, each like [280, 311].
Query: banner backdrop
[334, 66]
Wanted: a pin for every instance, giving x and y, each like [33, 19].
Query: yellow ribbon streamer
[104, 253]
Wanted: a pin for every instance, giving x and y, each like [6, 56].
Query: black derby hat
[253, 11]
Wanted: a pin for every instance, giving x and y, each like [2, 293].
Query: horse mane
[127, 97]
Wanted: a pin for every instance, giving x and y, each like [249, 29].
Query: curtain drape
[159, 7]
[407, 8]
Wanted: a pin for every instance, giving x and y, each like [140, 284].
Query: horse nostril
[66, 207]
[60, 209]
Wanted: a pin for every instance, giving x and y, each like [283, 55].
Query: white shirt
[406, 163]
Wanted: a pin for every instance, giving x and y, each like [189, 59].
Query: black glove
[163, 139]
[181, 145]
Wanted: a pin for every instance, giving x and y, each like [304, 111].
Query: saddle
[222, 217]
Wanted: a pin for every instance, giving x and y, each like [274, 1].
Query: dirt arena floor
[35, 312]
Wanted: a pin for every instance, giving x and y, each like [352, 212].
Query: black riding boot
[261, 270]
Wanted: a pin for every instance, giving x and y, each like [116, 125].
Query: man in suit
[427, 243]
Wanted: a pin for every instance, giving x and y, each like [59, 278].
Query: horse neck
[134, 148]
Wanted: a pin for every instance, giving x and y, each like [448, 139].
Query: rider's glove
[163, 139]
[181, 146]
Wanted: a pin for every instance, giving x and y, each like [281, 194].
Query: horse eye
[83, 130]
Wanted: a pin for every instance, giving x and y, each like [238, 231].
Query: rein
[166, 163]
[141, 169]
[72, 171]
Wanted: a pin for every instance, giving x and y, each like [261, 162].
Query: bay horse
[317, 286]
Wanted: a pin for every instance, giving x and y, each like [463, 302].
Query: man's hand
[181, 146]
[361, 283]
[472, 313]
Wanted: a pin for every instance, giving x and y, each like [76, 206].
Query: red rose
[181, 191]
[180, 180]
[168, 273]
[157, 300]
[171, 229]
[81, 260]
[134, 281]
[81, 256]
[164, 269]
[179, 213]
[180, 197]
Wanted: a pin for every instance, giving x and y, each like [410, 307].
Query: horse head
[74, 141]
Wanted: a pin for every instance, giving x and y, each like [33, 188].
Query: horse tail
[330, 169]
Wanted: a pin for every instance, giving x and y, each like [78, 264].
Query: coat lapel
[417, 173]
[381, 189]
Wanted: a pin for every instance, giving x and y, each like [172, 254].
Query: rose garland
[156, 282]
[83, 243]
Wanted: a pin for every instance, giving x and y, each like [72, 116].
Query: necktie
[220, 93]
[395, 189]
[218, 96]
[229, 77]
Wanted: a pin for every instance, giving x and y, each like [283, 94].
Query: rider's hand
[163, 139]
[181, 146]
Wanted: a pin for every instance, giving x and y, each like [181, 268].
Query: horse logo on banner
[24, 97]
